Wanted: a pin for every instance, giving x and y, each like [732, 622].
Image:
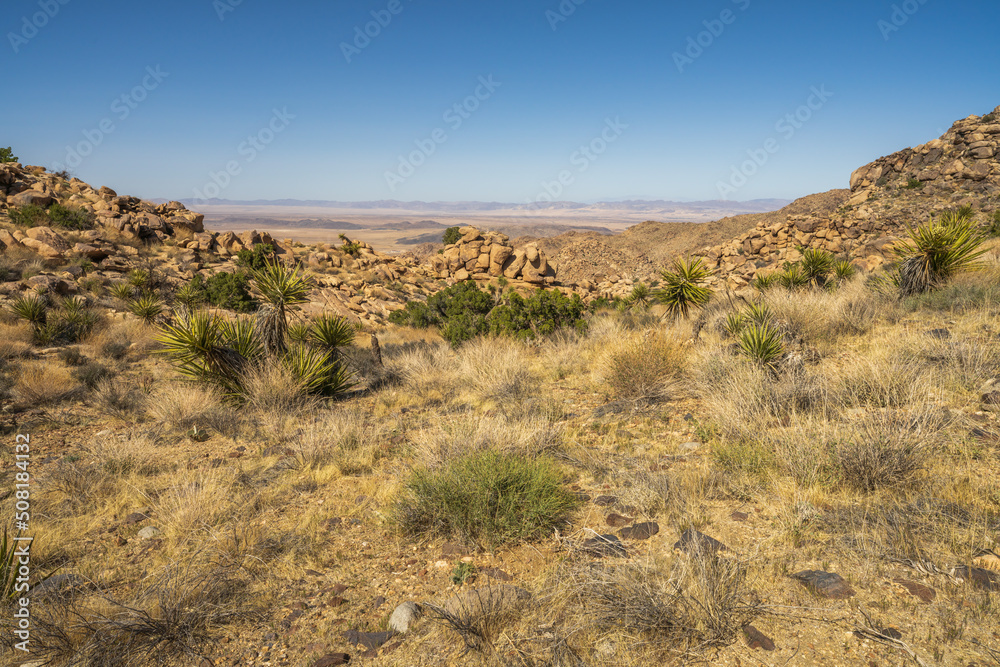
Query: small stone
[495, 573]
[370, 640]
[148, 533]
[754, 638]
[940, 334]
[449, 550]
[925, 593]
[739, 516]
[403, 616]
[604, 545]
[980, 578]
[825, 584]
[640, 531]
[332, 659]
[134, 518]
[617, 520]
[693, 542]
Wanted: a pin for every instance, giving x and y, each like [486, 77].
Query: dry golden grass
[497, 370]
[15, 339]
[181, 406]
[644, 367]
[41, 383]
[133, 452]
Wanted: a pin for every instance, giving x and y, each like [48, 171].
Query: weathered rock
[640, 531]
[370, 640]
[825, 584]
[604, 545]
[693, 542]
[925, 593]
[754, 638]
[31, 198]
[148, 533]
[332, 660]
[617, 520]
[404, 615]
[979, 577]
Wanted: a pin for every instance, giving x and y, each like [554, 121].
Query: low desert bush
[646, 368]
[487, 499]
[182, 406]
[348, 440]
[689, 604]
[91, 373]
[529, 435]
[886, 449]
[133, 452]
[119, 397]
[273, 389]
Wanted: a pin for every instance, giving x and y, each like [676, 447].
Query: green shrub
[751, 460]
[29, 216]
[683, 287]
[539, 315]
[451, 236]
[7, 155]
[70, 218]
[352, 248]
[488, 499]
[230, 291]
[330, 333]
[257, 258]
[913, 184]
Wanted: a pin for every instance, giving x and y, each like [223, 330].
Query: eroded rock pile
[481, 256]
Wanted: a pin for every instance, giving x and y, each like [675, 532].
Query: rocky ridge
[905, 188]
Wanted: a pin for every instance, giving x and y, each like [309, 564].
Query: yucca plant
[298, 332]
[330, 333]
[639, 297]
[936, 251]
[683, 287]
[764, 281]
[734, 324]
[30, 307]
[139, 278]
[792, 277]
[317, 371]
[241, 336]
[189, 296]
[147, 307]
[197, 346]
[282, 289]
[844, 270]
[758, 312]
[816, 264]
[762, 343]
[122, 291]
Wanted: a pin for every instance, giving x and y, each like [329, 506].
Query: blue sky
[296, 104]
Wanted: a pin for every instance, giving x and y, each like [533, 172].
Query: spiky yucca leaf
[139, 278]
[122, 291]
[682, 287]
[147, 307]
[330, 332]
[299, 331]
[317, 371]
[764, 281]
[282, 289]
[758, 312]
[30, 307]
[816, 263]
[639, 297]
[734, 324]
[762, 344]
[240, 335]
[844, 270]
[197, 347]
[936, 251]
[793, 277]
[189, 296]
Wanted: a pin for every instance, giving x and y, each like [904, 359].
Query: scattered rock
[370, 640]
[617, 520]
[739, 516]
[58, 584]
[332, 659]
[940, 334]
[134, 518]
[980, 578]
[825, 584]
[640, 531]
[754, 638]
[987, 560]
[403, 616]
[693, 542]
[604, 545]
[925, 593]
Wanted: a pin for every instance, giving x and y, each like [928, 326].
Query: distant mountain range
[634, 206]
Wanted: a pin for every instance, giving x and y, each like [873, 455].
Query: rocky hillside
[905, 188]
[126, 233]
